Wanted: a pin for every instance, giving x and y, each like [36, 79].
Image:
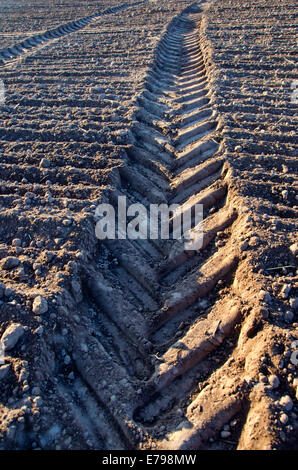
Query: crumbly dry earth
[139, 344]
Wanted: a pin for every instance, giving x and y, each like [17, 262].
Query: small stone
[265, 296]
[294, 249]
[39, 330]
[12, 335]
[40, 305]
[284, 418]
[294, 303]
[49, 256]
[273, 381]
[263, 378]
[67, 360]
[244, 246]
[285, 290]
[10, 262]
[36, 391]
[45, 163]
[66, 222]
[254, 241]
[234, 423]
[81, 256]
[225, 434]
[8, 292]
[4, 371]
[16, 242]
[38, 401]
[286, 402]
[289, 316]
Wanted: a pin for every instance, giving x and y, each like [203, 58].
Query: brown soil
[140, 344]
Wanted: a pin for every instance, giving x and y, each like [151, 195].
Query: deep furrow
[174, 159]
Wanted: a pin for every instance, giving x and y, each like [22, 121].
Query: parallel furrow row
[35, 42]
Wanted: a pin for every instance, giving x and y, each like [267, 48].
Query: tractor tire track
[9, 55]
[176, 157]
